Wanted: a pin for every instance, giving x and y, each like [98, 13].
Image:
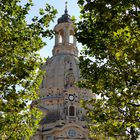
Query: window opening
[61, 35]
[60, 39]
[71, 110]
[71, 39]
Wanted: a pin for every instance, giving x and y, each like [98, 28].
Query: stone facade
[63, 117]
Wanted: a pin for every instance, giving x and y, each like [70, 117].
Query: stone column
[56, 38]
[66, 35]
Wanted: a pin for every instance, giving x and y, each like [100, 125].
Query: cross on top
[66, 4]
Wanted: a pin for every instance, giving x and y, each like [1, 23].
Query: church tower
[63, 117]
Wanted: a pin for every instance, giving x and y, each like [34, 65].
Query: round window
[72, 133]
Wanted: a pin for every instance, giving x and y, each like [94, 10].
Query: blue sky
[73, 10]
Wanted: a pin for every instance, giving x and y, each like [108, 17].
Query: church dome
[65, 18]
[63, 117]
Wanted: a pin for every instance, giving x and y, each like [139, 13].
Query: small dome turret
[65, 40]
[66, 17]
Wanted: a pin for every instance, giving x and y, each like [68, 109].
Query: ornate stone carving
[69, 80]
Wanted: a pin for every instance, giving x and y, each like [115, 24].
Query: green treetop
[20, 75]
[110, 65]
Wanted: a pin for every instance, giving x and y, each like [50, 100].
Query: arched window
[60, 36]
[71, 111]
[60, 39]
[71, 39]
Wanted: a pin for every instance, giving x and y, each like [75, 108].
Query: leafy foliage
[110, 64]
[20, 75]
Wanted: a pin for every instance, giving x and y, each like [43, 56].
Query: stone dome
[59, 96]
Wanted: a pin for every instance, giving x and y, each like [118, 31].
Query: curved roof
[65, 18]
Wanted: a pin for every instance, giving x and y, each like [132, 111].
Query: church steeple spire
[66, 7]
